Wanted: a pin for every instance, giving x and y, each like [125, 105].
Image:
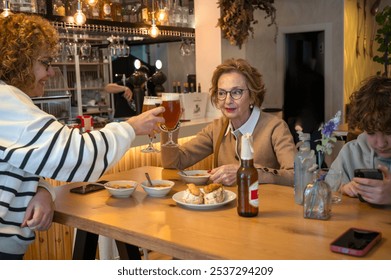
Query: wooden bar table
[279, 232]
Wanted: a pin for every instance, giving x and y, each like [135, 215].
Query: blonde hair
[253, 79]
[23, 38]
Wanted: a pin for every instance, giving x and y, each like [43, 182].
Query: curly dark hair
[370, 106]
[23, 38]
[253, 79]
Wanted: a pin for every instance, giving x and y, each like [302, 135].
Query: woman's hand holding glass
[148, 122]
[151, 102]
[172, 113]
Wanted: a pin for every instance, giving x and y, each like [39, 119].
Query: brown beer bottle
[247, 180]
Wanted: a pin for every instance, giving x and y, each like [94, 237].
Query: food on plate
[193, 195]
[213, 193]
[209, 194]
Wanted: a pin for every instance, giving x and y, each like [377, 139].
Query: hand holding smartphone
[375, 174]
[356, 242]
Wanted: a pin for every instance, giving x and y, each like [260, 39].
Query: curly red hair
[23, 38]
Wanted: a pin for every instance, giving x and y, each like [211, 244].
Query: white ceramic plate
[178, 198]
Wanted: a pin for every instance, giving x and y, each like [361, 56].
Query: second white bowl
[160, 187]
[197, 177]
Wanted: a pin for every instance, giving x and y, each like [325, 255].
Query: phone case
[356, 242]
[369, 173]
[92, 187]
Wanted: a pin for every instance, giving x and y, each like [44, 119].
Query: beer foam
[170, 96]
[152, 101]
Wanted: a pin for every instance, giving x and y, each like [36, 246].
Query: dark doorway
[304, 83]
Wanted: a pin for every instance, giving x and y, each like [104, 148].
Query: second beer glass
[172, 104]
[149, 103]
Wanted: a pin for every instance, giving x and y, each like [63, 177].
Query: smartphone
[92, 187]
[368, 173]
[356, 242]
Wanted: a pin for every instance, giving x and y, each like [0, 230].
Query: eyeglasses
[46, 62]
[234, 93]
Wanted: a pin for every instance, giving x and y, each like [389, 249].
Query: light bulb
[162, 15]
[79, 17]
[158, 64]
[92, 2]
[6, 11]
[137, 64]
[153, 30]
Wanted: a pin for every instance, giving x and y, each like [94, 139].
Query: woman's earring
[251, 106]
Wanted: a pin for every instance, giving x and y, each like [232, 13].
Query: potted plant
[383, 37]
[237, 18]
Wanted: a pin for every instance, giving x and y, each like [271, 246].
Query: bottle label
[253, 194]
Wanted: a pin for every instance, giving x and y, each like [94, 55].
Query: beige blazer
[274, 149]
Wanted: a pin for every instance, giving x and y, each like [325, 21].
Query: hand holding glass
[151, 102]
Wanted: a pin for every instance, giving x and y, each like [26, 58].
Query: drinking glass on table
[149, 103]
[172, 104]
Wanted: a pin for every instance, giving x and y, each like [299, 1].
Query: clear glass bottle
[247, 180]
[144, 11]
[95, 10]
[105, 11]
[178, 13]
[317, 198]
[304, 165]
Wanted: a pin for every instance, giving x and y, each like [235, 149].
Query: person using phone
[34, 145]
[370, 112]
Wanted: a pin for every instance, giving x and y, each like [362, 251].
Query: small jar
[317, 198]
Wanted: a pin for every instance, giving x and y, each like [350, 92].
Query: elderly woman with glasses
[238, 91]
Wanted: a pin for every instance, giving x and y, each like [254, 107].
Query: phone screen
[356, 242]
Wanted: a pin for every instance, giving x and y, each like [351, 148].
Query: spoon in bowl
[183, 172]
[149, 179]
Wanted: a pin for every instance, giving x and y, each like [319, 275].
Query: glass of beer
[149, 103]
[172, 104]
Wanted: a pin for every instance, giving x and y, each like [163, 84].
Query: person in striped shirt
[34, 145]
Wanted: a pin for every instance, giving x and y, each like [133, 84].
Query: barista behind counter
[123, 89]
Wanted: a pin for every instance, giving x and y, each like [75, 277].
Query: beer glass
[149, 103]
[172, 104]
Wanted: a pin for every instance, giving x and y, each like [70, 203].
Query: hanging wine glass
[112, 47]
[69, 48]
[125, 49]
[85, 50]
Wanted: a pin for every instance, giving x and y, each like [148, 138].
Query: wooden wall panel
[57, 242]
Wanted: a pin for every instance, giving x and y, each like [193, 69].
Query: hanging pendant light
[79, 16]
[153, 31]
[6, 11]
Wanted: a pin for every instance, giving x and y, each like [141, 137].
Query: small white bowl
[121, 188]
[160, 189]
[197, 177]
